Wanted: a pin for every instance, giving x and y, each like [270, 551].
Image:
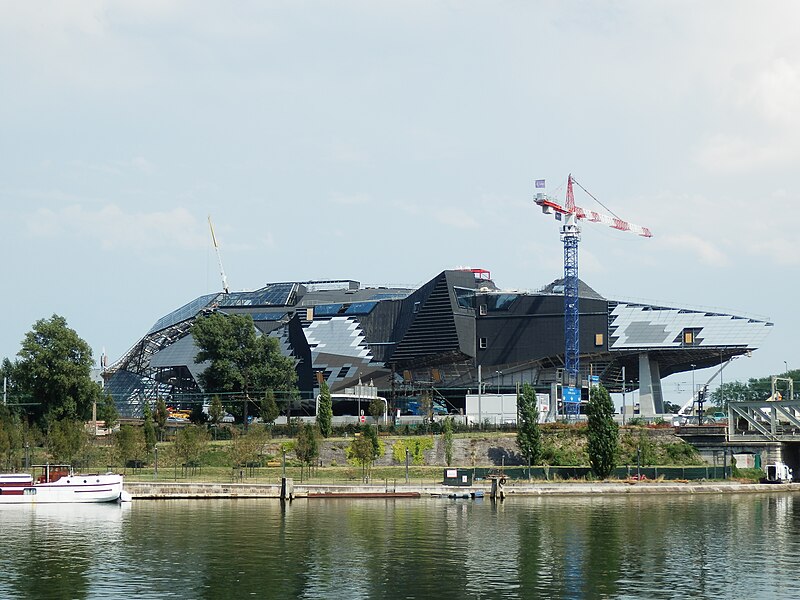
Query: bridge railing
[767, 420]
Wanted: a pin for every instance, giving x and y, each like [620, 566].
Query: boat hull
[70, 489]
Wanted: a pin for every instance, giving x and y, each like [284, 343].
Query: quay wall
[169, 490]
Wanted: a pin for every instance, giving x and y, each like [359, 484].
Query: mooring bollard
[287, 488]
[498, 488]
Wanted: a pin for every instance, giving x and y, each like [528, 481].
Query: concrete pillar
[552, 413]
[287, 488]
[498, 488]
[651, 399]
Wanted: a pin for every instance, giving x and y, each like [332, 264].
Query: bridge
[764, 421]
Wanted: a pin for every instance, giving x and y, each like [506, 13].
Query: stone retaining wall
[167, 490]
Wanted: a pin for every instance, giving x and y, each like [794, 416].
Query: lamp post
[786, 364]
[694, 389]
[623, 396]
[155, 462]
[499, 375]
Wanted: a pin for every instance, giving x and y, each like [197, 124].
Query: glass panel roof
[268, 316]
[327, 309]
[360, 308]
[274, 294]
[183, 313]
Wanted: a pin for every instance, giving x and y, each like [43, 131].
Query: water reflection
[57, 551]
[597, 547]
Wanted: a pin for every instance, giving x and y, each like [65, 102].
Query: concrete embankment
[169, 490]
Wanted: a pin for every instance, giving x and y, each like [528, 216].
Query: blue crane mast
[570, 214]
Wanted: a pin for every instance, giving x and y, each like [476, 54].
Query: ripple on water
[599, 547]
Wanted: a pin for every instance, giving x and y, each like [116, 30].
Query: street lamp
[694, 389]
[786, 364]
[499, 375]
[623, 395]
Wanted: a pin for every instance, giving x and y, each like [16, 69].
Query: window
[483, 309]
[310, 314]
[688, 337]
[416, 307]
[482, 343]
[598, 339]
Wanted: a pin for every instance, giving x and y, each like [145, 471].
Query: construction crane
[570, 215]
[219, 257]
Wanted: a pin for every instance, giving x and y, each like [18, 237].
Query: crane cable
[595, 199]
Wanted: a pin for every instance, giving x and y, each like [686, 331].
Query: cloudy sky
[387, 141]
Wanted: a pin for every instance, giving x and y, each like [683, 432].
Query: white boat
[58, 484]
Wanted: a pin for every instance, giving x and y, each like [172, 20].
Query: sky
[387, 141]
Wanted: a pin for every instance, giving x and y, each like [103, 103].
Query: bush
[749, 474]
[416, 449]
[681, 453]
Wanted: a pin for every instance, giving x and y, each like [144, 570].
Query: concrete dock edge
[170, 490]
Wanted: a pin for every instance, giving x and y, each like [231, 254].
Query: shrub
[416, 449]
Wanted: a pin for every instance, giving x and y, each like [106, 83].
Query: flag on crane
[540, 184]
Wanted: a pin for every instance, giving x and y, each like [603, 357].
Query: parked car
[718, 417]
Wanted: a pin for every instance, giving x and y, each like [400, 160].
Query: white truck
[777, 473]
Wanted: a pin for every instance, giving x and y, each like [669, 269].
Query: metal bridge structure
[764, 421]
[776, 419]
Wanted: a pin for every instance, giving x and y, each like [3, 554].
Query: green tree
[13, 435]
[376, 408]
[216, 410]
[529, 434]
[325, 415]
[190, 442]
[160, 417]
[5, 445]
[66, 440]
[269, 408]
[107, 412]
[148, 429]
[240, 359]
[306, 446]
[54, 370]
[362, 450]
[372, 433]
[602, 432]
[736, 391]
[198, 415]
[247, 449]
[447, 434]
[129, 445]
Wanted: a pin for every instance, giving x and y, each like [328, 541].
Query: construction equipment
[219, 257]
[570, 215]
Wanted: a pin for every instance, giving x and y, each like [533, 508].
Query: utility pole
[623, 395]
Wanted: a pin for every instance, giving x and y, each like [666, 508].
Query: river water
[727, 546]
